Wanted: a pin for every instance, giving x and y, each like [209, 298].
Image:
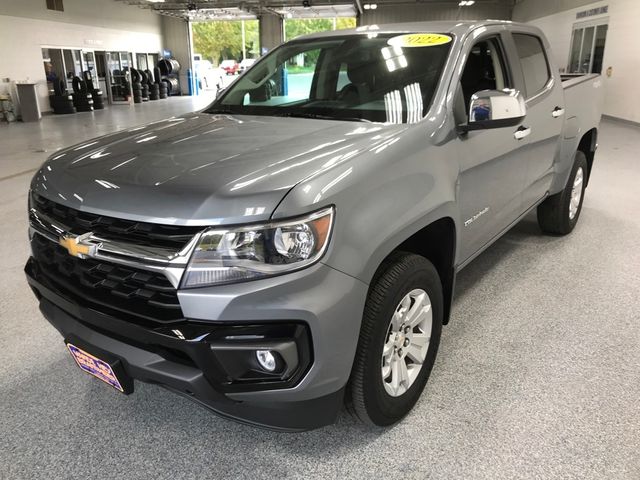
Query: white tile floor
[538, 374]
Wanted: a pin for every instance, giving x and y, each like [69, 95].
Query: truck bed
[583, 97]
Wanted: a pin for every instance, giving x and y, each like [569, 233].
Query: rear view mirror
[495, 109]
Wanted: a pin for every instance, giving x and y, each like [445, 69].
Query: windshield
[371, 77]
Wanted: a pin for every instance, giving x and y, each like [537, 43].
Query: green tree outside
[304, 26]
[221, 40]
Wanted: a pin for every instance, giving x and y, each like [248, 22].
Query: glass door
[118, 77]
[72, 65]
[89, 62]
[141, 60]
[53, 66]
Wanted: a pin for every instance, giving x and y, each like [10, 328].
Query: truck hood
[202, 169]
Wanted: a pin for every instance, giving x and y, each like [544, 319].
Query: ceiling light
[155, 1]
[370, 6]
[466, 3]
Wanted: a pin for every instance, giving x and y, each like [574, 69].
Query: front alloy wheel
[407, 342]
[398, 341]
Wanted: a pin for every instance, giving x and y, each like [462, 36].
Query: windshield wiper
[219, 111]
[318, 116]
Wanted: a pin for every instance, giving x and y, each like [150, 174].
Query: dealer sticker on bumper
[94, 366]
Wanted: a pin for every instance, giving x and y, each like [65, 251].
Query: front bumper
[328, 303]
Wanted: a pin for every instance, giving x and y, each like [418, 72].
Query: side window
[343, 78]
[484, 70]
[535, 67]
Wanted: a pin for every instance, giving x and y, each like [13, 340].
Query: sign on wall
[592, 11]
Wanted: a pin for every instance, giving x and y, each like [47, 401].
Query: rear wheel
[559, 213]
[398, 340]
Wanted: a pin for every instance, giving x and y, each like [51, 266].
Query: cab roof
[456, 27]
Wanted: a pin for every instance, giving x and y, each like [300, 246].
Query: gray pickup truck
[294, 246]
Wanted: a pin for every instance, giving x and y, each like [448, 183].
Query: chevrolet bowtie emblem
[76, 245]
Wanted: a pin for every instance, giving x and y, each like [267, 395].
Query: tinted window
[484, 69]
[534, 62]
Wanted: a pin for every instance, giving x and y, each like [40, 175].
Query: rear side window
[534, 62]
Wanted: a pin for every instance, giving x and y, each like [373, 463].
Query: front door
[492, 162]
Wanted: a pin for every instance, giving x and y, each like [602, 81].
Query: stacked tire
[82, 99]
[136, 85]
[154, 88]
[162, 87]
[61, 101]
[172, 85]
[144, 81]
[98, 100]
[169, 70]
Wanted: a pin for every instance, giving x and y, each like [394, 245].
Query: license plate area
[101, 366]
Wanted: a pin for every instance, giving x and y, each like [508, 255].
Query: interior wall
[621, 52]
[527, 10]
[26, 26]
[434, 11]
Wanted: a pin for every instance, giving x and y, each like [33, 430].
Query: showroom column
[271, 32]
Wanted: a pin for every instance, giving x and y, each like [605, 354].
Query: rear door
[545, 114]
[492, 162]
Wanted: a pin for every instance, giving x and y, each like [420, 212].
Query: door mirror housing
[495, 109]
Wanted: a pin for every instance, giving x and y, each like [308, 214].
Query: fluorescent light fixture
[155, 1]
[370, 6]
[466, 3]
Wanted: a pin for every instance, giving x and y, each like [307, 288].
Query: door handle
[522, 132]
[557, 112]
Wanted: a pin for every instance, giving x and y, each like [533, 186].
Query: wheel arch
[588, 145]
[437, 243]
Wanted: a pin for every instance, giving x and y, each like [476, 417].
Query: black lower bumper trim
[181, 377]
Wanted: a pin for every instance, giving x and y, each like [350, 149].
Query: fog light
[266, 360]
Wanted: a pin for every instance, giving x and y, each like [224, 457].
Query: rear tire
[398, 345]
[559, 213]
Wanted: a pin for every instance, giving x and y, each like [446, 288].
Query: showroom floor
[538, 374]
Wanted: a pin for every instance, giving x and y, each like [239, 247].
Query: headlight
[252, 252]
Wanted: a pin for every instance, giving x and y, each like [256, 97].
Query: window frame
[545, 87]
[55, 5]
[582, 26]
[505, 59]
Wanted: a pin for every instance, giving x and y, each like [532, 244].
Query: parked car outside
[230, 67]
[209, 77]
[246, 63]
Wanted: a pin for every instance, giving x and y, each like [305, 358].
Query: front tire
[399, 340]
[559, 213]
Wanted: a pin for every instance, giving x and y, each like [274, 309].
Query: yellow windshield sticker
[419, 40]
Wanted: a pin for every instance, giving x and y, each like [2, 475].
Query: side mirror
[495, 109]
